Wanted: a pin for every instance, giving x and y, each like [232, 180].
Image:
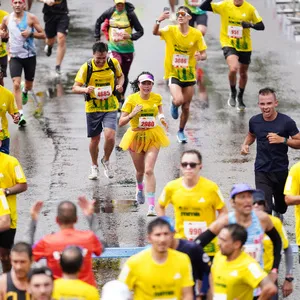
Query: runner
[287, 287]
[159, 272]
[56, 18]
[8, 105]
[3, 52]
[121, 20]
[69, 286]
[13, 182]
[13, 285]
[237, 18]
[50, 246]
[23, 28]
[184, 46]
[196, 200]
[235, 274]
[144, 137]
[257, 224]
[40, 280]
[272, 131]
[101, 76]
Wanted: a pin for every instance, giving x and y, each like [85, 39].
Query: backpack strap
[89, 73]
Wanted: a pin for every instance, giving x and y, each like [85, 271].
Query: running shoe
[140, 197]
[241, 105]
[22, 121]
[24, 94]
[108, 172]
[57, 71]
[174, 111]
[181, 137]
[151, 211]
[231, 100]
[48, 50]
[94, 173]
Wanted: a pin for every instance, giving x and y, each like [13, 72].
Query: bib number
[254, 250]
[235, 32]
[147, 122]
[117, 34]
[180, 61]
[195, 2]
[193, 229]
[103, 92]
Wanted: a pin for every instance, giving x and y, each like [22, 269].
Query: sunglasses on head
[191, 164]
[182, 14]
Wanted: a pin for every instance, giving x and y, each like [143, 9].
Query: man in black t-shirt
[274, 132]
[56, 20]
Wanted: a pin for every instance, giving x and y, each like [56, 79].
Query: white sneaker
[108, 172]
[94, 173]
[151, 211]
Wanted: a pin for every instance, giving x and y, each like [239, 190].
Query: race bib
[180, 61]
[235, 32]
[254, 250]
[103, 92]
[193, 229]
[147, 122]
[117, 34]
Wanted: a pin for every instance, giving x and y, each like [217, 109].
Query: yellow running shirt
[7, 105]
[150, 107]
[195, 209]
[235, 279]
[11, 173]
[104, 78]
[74, 289]
[149, 280]
[268, 255]
[232, 33]
[4, 208]
[292, 188]
[180, 52]
[3, 51]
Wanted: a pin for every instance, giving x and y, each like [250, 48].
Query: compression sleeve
[29, 232]
[206, 6]
[288, 253]
[94, 226]
[205, 238]
[277, 246]
[258, 26]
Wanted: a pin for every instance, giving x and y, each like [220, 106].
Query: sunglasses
[191, 164]
[260, 202]
[182, 14]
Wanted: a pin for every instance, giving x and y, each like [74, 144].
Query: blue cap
[170, 221]
[258, 195]
[240, 188]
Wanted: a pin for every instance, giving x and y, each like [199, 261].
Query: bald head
[66, 213]
[71, 260]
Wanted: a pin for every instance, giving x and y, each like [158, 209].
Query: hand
[3, 34]
[164, 123]
[165, 15]
[16, 118]
[287, 288]
[136, 110]
[273, 276]
[274, 138]
[119, 88]
[86, 206]
[26, 33]
[199, 56]
[245, 149]
[89, 89]
[35, 210]
[126, 36]
[49, 2]
[246, 24]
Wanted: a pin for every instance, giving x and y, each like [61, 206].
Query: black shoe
[48, 50]
[57, 71]
[231, 100]
[241, 105]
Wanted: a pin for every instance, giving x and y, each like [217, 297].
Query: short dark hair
[71, 260]
[38, 271]
[158, 222]
[266, 91]
[186, 9]
[237, 232]
[22, 247]
[67, 212]
[100, 47]
[192, 151]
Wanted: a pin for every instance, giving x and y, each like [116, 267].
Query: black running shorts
[244, 57]
[55, 24]
[198, 20]
[3, 66]
[7, 238]
[16, 65]
[182, 84]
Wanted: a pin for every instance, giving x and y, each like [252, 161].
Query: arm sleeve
[201, 262]
[99, 21]
[205, 238]
[94, 226]
[81, 74]
[291, 128]
[166, 197]
[12, 108]
[288, 254]
[206, 5]
[137, 26]
[258, 26]
[277, 246]
[30, 231]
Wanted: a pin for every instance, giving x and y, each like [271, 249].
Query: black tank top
[12, 293]
[59, 8]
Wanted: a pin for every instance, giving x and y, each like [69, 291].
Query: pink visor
[146, 77]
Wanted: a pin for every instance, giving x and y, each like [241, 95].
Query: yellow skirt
[141, 141]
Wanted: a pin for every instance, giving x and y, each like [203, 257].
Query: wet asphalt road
[53, 148]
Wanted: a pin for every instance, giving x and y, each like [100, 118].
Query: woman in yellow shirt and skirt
[144, 137]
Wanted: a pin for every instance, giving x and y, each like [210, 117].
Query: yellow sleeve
[12, 108]
[187, 274]
[127, 275]
[165, 32]
[81, 74]
[292, 184]
[256, 18]
[4, 207]
[93, 294]
[159, 100]
[254, 274]
[117, 66]
[18, 172]
[219, 199]
[128, 105]
[166, 196]
[201, 44]
[218, 7]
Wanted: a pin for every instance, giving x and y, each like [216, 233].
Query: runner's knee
[149, 172]
[233, 69]
[95, 140]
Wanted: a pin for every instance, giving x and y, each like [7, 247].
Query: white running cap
[115, 290]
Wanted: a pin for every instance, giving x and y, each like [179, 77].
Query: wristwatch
[289, 279]
[157, 22]
[7, 192]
